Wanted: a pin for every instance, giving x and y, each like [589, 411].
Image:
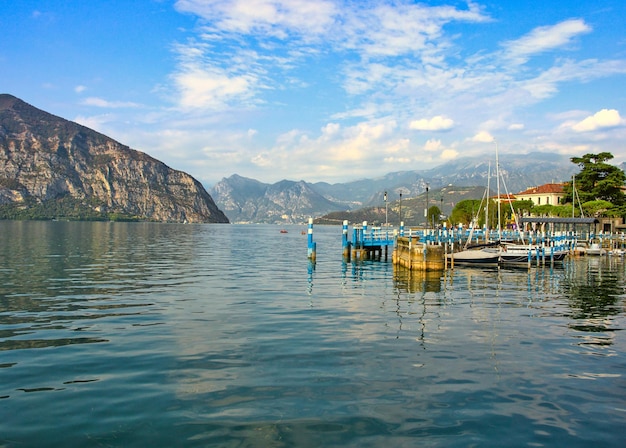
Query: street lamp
[426, 209]
[441, 210]
[386, 225]
[400, 213]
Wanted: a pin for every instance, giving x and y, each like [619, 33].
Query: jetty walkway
[427, 249]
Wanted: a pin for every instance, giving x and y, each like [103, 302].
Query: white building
[547, 194]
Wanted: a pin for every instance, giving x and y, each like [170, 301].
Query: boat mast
[487, 204]
[573, 196]
[498, 201]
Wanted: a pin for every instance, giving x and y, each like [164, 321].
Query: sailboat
[511, 254]
[478, 254]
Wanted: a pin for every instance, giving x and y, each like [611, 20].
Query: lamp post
[400, 213]
[426, 209]
[386, 225]
[441, 210]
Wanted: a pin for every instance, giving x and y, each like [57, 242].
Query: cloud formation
[437, 123]
[335, 88]
[603, 119]
[100, 102]
[545, 38]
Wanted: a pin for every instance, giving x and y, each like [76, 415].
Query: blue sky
[324, 90]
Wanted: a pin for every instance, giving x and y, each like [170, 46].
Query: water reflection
[411, 281]
[165, 334]
[60, 278]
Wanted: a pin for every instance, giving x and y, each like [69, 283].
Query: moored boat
[482, 256]
[520, 253]
[595, 249]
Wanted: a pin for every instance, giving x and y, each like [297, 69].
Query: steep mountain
[51, 167]
[248, 200]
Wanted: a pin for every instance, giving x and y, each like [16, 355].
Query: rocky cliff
[247, 200]
[46, 161]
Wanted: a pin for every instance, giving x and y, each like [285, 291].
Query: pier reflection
[595, 292]
[411, 281]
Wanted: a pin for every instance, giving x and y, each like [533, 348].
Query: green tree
[597, 208]
[543, 210]
[522, 207]
[434, 215]
[597, 180]
[465, 211]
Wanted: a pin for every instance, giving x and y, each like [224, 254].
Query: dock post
[345, 242]
[401, 228]
[312, 246]
[364, 252]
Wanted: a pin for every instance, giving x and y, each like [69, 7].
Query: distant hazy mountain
[53, 168]
[248, 200]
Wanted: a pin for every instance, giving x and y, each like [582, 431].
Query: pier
[429, 249]
[367, 242]
[412, 254]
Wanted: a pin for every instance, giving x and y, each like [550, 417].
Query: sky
[324, 90]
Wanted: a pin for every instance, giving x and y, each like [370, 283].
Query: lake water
[161, 335]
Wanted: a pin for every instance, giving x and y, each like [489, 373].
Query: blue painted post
[401, 228]
[312, 246]
[344, 241]
[363, 238]
[552, 254]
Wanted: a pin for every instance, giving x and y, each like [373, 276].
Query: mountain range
[247, 200]
[52, 168]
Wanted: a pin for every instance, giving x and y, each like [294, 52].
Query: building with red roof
[547, 194]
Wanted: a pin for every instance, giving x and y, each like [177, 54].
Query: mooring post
[345, 242]
[312, 246]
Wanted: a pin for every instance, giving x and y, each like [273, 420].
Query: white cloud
[100, 102]
[330, 129]
[433, 145]
[211, 87]
[97, 122]
[449, 154]
[80, 89]
[606, 118]
[403, 28]
[278, 18]
[348, 72]
[483, 137]
[546, 83]
[545, 38]
[437, 123]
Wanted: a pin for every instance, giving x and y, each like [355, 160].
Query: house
[504, 199]
[547, 194]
